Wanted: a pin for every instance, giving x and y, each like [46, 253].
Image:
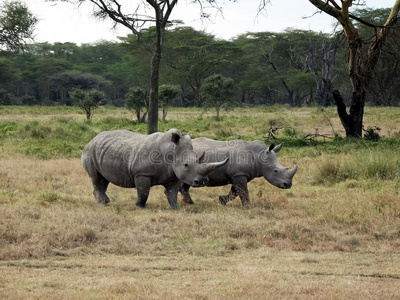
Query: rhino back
[121, 155]
[243, 158]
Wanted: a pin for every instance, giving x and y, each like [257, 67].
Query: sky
[64, 22]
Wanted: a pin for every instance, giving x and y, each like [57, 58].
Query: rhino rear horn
[206, 168]
[293, 171]
[200, 156]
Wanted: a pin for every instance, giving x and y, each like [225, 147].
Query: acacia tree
[361, 64]
[88, 100]
[218, 91]
[167, 93]
[193, 56]
[17, 24]
[135, 101]
[134, 18]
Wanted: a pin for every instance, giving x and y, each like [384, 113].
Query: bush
[136, 102]
[7, 128]
[371, 134]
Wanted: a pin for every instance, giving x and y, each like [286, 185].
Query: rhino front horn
[206, 168]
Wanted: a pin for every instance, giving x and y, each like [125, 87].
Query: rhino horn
[293, 171]
[206, 168]
[200, 156]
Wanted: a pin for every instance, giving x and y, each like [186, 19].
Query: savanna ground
[334, 235]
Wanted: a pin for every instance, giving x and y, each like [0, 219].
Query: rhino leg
[240, 184]
[100, 185]
[233, 193]
[143, 185]
[171, 190]
[184, 189]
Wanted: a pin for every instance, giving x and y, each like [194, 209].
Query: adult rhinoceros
[247, 160]
[129, 159]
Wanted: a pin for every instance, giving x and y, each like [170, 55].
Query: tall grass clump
[385, 166]
[112, 123]
[192, 126]
[382, 165]
[331, 170]
[36, 130]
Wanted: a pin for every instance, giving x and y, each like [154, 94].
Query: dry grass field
[334, 235]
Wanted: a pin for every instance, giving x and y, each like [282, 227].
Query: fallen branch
[312, 137]
[272, 130]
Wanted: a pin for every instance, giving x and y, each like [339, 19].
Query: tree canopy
[290, 67]
[17, 25]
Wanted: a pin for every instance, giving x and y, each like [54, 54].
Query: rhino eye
[186, 165]
[276, 171]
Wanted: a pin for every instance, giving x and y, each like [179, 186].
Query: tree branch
[325, 7]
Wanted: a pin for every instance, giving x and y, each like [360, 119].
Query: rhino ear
[175, 138]
[271, 147]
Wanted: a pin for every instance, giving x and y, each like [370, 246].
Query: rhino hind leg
[143, 185]
[233, 193]
[101, 196]
[100, 185]
[240, 184]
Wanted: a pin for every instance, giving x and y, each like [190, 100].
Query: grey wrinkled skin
[247, 160]
[129, 160]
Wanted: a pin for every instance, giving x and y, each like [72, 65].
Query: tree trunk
[161, 21]
[353, 122]
[152, 123]
[164, 112]
[88, 114]
[218, 109]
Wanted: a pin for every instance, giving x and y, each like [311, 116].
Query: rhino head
[272, 170]
[187, 165]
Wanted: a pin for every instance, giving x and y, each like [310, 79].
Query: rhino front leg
[171, 190]
[143, 185]
[184, 189]
[240, 184]
[233, 193]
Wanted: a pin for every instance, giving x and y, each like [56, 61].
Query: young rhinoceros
[247, 160]
[129, 159]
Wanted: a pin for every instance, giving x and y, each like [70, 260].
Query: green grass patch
[63, 134]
